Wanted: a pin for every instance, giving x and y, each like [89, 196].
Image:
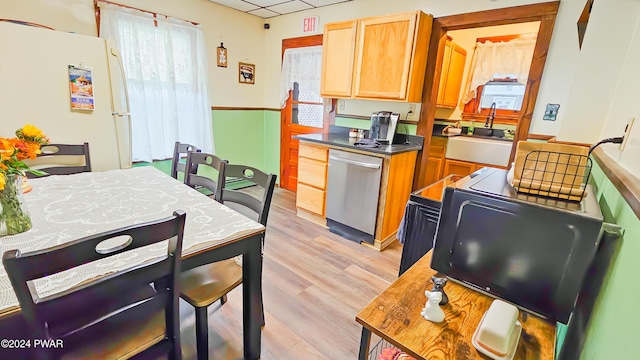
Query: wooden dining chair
[136, 326]
[206, 171]
[180, 150]
[209, 283]
[62, 159]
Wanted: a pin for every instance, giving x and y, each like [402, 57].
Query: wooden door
[454, 76]
[338, 57]
[434, 169]
[384, 54]
[299, 116]
[462, 168]
[445, 70]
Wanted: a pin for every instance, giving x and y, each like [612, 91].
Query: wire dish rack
[553, 174]
[384, 350]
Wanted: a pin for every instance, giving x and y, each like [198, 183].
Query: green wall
[272, 142]
[238, 136]
[612, 332]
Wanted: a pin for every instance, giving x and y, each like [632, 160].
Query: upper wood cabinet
[451, 76]
[338, 52]
[387, 61]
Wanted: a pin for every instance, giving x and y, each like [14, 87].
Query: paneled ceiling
[270, 8]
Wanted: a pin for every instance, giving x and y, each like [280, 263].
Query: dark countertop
[498, 134]
[343, 140]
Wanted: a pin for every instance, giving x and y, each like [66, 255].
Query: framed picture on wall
[246, 73]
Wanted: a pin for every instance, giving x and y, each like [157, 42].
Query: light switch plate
[627, 133]
[341, 106]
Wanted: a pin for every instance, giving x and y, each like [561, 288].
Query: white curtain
[165, 62]
[304, 66]
[499, 60]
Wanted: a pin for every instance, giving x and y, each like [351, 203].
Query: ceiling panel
[237, 4]
[262, 8]
[265, 3]
[289, 7]
[264, 13]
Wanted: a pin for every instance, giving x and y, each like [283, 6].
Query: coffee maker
[383, 126]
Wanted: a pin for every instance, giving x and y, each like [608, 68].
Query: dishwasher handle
[356, 163]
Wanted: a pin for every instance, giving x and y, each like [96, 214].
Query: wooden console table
[395, 316]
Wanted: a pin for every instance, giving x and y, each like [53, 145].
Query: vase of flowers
[14, 216]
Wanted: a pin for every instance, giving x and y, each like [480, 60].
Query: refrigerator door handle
[115, 113]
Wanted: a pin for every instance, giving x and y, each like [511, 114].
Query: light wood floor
[314, 283]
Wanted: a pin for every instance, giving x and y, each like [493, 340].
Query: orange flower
[14, 151]
[2, 180]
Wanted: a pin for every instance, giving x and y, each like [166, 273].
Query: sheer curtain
[499, 60]
[165, 63]
[304, 66]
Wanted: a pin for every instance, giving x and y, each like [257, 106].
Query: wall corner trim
[627, 183]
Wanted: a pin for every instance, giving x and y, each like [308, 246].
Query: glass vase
[14, 216]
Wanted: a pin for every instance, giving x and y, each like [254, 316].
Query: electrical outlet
[627, 133]
[341, 106]
[412, 114]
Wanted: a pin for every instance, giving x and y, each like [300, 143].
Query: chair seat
[118, 338]
[206, 284]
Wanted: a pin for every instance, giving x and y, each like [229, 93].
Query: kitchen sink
[479, 149]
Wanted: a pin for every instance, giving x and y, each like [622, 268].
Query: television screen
[532, 256]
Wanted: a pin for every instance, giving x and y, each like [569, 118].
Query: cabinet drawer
[310, 199]
[312, 172]
[313, 152]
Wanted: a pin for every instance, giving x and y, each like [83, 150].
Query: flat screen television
[530, 255]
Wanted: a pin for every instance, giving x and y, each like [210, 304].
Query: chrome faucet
[492, 115]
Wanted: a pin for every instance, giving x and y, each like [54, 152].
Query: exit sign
[310, 24]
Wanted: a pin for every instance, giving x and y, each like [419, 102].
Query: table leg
[365, 340]
[252, 298]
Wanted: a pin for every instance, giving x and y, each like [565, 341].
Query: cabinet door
[462, 168]
[385, 47]
[338, 53]
[446, 59]
[434, 170]
[455, 70]
[311, 199]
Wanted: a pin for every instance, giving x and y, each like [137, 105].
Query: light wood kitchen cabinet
[451, 75]
[338, 59]
[435, 164]
[462, 168]
[390, 55]
[312, 178]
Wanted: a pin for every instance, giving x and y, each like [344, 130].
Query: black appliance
[383, 126]
[421, 219]
[531, 251]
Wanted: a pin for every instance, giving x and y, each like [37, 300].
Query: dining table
[64, 208]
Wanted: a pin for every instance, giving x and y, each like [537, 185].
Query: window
[498, 74]
[165, 63]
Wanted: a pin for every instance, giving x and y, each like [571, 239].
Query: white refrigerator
[34, 88]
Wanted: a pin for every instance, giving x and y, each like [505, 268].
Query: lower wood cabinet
[462, 168]
[312, 178]
[311, 199]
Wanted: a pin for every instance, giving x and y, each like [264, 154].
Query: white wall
[598, 69]
[559, 68]
[243, 36]
[625, 105]
[467, 40]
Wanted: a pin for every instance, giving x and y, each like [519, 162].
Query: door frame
[304, 41]
[545, 13]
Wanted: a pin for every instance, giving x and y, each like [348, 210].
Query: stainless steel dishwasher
[353, 189]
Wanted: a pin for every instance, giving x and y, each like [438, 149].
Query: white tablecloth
[68, 207]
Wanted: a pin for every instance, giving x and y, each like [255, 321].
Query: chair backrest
[42, 313]
[62, 159]
[180, 150]
[258, 177]
[206, 179]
